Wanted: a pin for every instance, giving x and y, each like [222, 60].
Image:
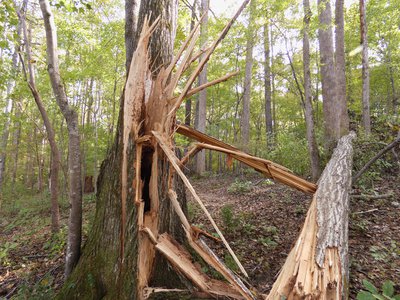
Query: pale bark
[74, 154]
[366, 118]
[267, 86]
[202, 98]
[328, 75]
[312, 144]
[343, 116]
[55, 154]
[245, 118]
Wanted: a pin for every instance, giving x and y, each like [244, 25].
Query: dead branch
[375, 158]
[372, 197]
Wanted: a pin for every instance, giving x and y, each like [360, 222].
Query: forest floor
[260, 219]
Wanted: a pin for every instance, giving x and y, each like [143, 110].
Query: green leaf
[363, 295]
[370, 287]
[387, 288]
[397, 297]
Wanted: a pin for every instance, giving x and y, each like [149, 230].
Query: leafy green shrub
[372, 292]
[240, 187]
[228, 218]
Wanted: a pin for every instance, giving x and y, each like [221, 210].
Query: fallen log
[317, 266]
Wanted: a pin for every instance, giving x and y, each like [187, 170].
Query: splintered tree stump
[317, 266]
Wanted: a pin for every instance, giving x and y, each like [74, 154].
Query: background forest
[263, 110]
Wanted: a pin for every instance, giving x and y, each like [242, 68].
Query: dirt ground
[260, 219]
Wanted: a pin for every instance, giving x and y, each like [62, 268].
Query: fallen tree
[317, 266]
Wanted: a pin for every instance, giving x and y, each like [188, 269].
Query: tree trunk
[74, 154]
[317, 266]
[188, 103]
[16, 141]
[343, 118]
[365, 69]
[55, 154]
[202, 98]
[8, 111]
[328, 75]
[267, 86]
[245, 119]
[312, 144]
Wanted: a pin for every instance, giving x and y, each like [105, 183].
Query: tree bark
[245, 119]
[267, 86]
[312, 144]
[317, 266]
[202, 98]
[343, 118]
[74, 151]
[328, 75]
[130, 31]
[366, 118]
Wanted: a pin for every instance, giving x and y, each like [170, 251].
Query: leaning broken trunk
[317, 266]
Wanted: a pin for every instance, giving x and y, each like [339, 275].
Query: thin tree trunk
[16, 141]
[8, 111]
[74, 154]
[391, 76]
[55, 154]
[267, 87]
[343, 118]
[245, 119]
[365, 69]
[188, 103]
[312, 144]
[328, 75]
[202, 98]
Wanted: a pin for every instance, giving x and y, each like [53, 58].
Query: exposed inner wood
[266, 167]
[174, 161]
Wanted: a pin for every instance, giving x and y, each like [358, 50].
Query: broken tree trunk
[135, 245]
[317, 266]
